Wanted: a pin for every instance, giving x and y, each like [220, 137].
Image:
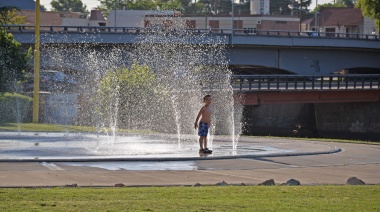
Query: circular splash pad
[76, 147]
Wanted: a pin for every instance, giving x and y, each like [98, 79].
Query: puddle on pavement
[135, 166]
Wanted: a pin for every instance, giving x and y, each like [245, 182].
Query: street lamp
[300, 15]
[232, 16]
[316, 16]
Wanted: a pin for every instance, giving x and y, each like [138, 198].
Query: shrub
[15, 108]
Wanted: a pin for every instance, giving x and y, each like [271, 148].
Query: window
[238, 24]
[214, 24]
[147, 23]
[168, 23]
[330, 32]
[190, 24]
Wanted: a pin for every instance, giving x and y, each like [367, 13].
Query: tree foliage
[371, 9]
[338, 3]
[69, 5]
[13, 62]
[107, 5]
[126, 96]
[186, 7]
[8, 15]
[346, 3]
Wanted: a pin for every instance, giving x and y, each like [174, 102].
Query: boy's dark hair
[204, 98]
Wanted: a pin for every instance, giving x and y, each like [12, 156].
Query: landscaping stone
[268, 183]
[293, 182]
[355, 181]
[72, 185]
[222, 183]
[119, 185]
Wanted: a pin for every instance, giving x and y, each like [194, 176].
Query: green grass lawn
[204, 198]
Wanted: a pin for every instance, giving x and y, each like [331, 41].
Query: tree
[124, 96]
[371, 9]
[320, 6]
[8, 15]
[69, 5]
[282, 6]
[347, 3]
[217, 6]
[195, 8]
[13, 62]
[178, 5]
[107, 5]
[338, 3]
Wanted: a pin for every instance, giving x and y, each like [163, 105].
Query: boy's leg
[201, 142]
[206, 150]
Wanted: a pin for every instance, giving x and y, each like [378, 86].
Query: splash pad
[157, 84]
[73, 147]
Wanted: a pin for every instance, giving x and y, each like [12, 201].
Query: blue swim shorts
[203, 129]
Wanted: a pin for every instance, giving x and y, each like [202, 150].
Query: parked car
[310, 33]
[51, 80]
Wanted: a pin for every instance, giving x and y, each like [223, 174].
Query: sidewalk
[354, 160]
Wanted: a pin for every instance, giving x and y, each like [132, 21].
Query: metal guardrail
[246, 31]
[246, 83]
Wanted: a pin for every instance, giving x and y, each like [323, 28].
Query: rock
[293, 182]
[72, 185]
[197, 184]
[222, 183]
[354, 181]
[268, 183]
[119, 185]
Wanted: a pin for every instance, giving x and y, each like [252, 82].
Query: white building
[134, 18]
[259, 7]
[170, 19]
[96, 19]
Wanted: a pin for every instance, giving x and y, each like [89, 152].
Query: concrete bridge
[297, 89]
[331, 106]
[268, 52]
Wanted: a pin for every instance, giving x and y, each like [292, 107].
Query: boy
[204, 124]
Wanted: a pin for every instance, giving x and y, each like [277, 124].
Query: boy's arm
[196, 120]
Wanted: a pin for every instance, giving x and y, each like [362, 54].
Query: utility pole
[316, 16]
[114, 7]
[36, 90]
[232, 17]
[300, 9]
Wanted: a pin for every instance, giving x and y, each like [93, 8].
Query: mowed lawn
[203, 198]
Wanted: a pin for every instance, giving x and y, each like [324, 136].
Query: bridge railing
[245, 83]
[244, 31]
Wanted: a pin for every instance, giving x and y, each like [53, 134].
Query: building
[136, 18]
[48, 18]
[170, 19]
[96, 18]
[340, 21]
[244, 23]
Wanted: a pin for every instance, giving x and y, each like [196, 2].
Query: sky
[93, 3]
